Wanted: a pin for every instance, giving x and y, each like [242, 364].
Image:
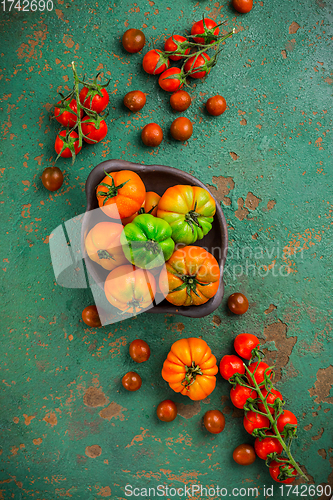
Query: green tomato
[147, 241]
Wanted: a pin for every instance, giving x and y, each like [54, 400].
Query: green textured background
[269, 160]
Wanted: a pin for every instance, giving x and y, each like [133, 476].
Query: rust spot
[255, 236]
[37, 441]
[113, 411]
[277, 332]
[284, 54]
[293, 28]
[328, 80]
[51, 418]
[188, 411]
[94, 397]
[323, 385]
[27, 418]
[216, 320]
[105, 492]
[243, 122]
[308, 427]
[93, 451]
[322, 453]
[233, 155]
[252, 201]
[318, 436]
[224, 186]
[270, 309]
[67, 40]
[241, 212]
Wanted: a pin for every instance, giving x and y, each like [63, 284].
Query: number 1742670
[26, 5]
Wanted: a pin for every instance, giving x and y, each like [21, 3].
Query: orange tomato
[130, 289]
[190, 368]
[191, 277]
[149, 206]
[120, 194]
[103, 245]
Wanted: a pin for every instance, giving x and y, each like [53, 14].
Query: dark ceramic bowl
[158, 178]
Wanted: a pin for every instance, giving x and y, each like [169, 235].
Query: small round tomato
[66, 113]
[152, 135]
[139, 351]
[231, 364]
[167, 410]
[95, 98]
[206, 27]
[270, 399]
[181, 128]
[242, 6]
[238, 303]
[258, 371]
[214, 421]
[266, 446]
[280, 471]
[91, 317]
[135, 100]
[176, 43]
[253, 420]
[239, 395]
[94, 130]
[244, 454]
[198, 67]
[155, 62]
[171, 80]
[180, 100]
[216, 105]
[131, 381]
[52, 178]
[72, 143]
[244, 343]
[133, 40]
[286, 418]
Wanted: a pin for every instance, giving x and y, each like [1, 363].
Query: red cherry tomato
[176, 43]
[166, 411]
[277, 473]
[197, 67]
[139, 351]
[231, 364]
[155, 62]
[91, 99]
[238, 303]
[133, 40]
[67, 116]
[90, 317]
[244, 454]
[72, 144]
[166, 82]
[258, 370]
[239, 395]
[244, 343]
[180, 100]
[253, 420]
[214, 421]
[242, 6]
[266, 446]
[272, 396]
[205, 26]
[287, 417]
[96, 130]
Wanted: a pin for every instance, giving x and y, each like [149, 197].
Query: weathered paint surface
[68, 428]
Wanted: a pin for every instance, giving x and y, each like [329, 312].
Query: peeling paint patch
[94, 397]
[277, 332]
[113, 411]
[270, 309]
[224, 186]
[323, 385]
[93, 451]
[293, 28]
[188, 411]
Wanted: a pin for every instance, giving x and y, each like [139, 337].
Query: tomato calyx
[112, 189]
[104, 254]
[181, 48]
[192, 218]
[68, 141]
[163, 59]
[190, 283]
[208, 33]
[191, 374]
[152, 246]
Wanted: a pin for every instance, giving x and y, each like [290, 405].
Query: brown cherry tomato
[180, 100]
[52, 178]
[133, 40]
[216, 105]
[242, 6]
[139, 350]
[214, 421]
[244, 454]
[90, 316]
[167, 411]
[181, 129]
[131, 381]
[152, 135]
[238, 303]
[135, 100]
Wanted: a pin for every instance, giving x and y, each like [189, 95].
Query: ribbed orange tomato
[103, 245]
[190, 368]
[149, 206]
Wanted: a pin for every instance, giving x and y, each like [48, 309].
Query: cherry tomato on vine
[231, 364]
[96, 130]
[166, 410]
[174, 43]
[253, 420]
[258, 371]
[133, 40]
[181, 128]
[214, 421]
[216, 105]
[91, 317]
[166, 82]
[275, 471]
[244, 454]
[152, 135]
[68, 116]
[155, 62]
[131, 381]
[239, 395]
[207, 26]
[180, 100]
[91, 99]
[244, 343]
[139, 351]
[238, 303]
[197, 67]
[287, 417]
[266, 446]
[272, 396]
[135, 100]
[52, 178]
[242, 6]
[72, 144]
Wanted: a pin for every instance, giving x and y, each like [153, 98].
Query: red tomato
[244, 343]
[180, 100]
[231, 364]
[91, 98]
[72, 144]
[266, 446]
[155, 62]
[272, 396]
[176, 43]
[258, 370]
[96, 130]
[244, 454]
[287, 417]
[66, 113]
[206, 27]
[167, 410]
[253, 420]
[277, 471]
[239, 395]
[242, 6]
[198, 67]
[171, 84]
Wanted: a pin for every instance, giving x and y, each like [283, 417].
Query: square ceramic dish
[158, 178]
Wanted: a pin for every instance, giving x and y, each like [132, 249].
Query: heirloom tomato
[103, 245]
[149, 206]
